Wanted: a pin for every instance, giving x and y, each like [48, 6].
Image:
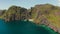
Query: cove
[23, 27]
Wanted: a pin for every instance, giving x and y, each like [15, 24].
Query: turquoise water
[23, 27]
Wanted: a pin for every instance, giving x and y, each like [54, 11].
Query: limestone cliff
[15, 13]
[46, 14]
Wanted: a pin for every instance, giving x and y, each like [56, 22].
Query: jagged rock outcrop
[15, 13]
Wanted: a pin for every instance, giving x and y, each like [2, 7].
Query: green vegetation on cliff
[15, 13]
[46, 13]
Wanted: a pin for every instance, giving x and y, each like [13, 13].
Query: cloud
[58, 2]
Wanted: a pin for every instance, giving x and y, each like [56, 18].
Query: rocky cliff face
[46, 14]
[15, 13]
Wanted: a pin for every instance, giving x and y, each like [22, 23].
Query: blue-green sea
[23, 27]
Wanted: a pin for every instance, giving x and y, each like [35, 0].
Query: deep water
[23, 27]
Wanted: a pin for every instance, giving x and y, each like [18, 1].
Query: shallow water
[22, 27]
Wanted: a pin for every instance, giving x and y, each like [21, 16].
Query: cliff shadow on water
[27, 27]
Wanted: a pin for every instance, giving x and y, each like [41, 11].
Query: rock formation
[46, 14]
[15, 13]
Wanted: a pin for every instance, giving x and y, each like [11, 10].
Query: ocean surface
[23, 27]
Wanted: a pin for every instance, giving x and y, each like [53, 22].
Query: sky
[5, 4]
